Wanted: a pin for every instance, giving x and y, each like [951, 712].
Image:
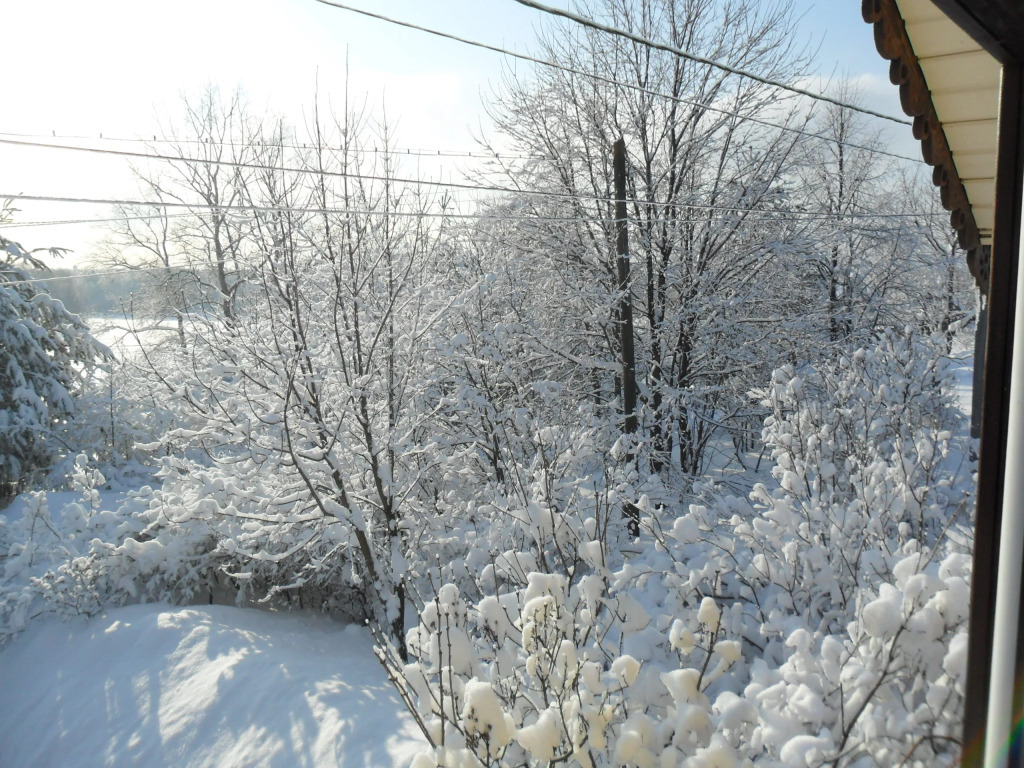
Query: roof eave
[893, 44]
[996, 25]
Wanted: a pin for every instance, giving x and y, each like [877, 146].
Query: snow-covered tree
[301, 392]
[46, 355]
[705, 175]
[940, 294]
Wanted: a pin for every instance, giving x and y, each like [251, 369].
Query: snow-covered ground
[124, 343]
[154, 685]
[963, 374]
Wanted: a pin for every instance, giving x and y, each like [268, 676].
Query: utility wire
[261, 167]
[61, 222]
[76, 274]
[587, 22]
[307, 171]
[256, 261]
[751, 214]
[397, 151]
[239, 262]
[619, 84]
[234, 207]
[368, 177]
[495, 214]
[762, 215]
[464, 153]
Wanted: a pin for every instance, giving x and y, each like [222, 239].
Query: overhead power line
[238, 261]
[479, 154]
[284, 169]
[752, 214]
[620, 84]
[592, 24]
[495, 214]
[107, 220]
[342, 174]
[109, 273]
[245, 208]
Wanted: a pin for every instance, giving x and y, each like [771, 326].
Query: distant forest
[90, 294]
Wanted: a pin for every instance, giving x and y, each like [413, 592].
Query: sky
[120, 68]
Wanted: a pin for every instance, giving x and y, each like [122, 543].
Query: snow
[961, 365]
[482, 714]
[626, 668]
[730, 650]
[805, 750]
[152, 685]
[681, 638]
[955, 662]
[882, 617]
[709, 614]
[541, 738]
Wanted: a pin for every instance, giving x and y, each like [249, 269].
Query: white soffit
[964, 82]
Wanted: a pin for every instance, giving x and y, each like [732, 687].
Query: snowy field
[153, 685]
[123, 342]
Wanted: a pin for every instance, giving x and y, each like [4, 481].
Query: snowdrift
[152, 685]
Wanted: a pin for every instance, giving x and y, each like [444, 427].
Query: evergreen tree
[46, 354]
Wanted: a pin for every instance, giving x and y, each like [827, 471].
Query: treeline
[90, 294]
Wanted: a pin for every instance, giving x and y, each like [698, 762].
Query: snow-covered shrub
[852, 564]
[867, 458]
[821, 620]
[263, 547]
[556, 512]
[536, 676]
[85, 556]
[180, 544]
[886, 690]
[116, 420]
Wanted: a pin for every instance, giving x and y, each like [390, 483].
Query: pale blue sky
[113, 66]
